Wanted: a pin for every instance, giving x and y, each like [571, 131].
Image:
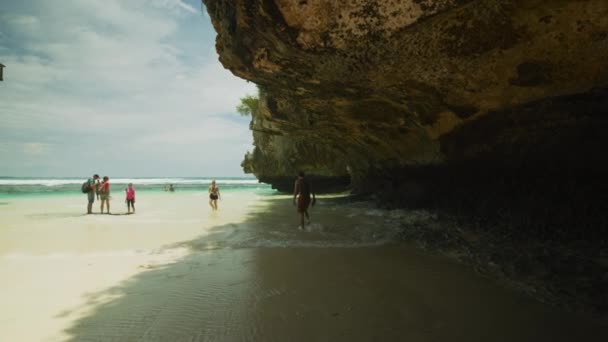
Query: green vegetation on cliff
[249, 104]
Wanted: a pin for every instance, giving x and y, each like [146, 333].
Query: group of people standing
[302, 192]
[101, 190]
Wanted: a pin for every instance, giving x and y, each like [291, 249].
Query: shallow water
[177, 272]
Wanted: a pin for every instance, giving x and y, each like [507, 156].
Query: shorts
[213, 197]
[131, 202]
[303, 203]
[104, 197]
[91, 196]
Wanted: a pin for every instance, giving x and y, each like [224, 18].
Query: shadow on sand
[228, 288]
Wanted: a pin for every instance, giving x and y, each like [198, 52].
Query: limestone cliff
[278, 157]
[357, 87]
[492, 113]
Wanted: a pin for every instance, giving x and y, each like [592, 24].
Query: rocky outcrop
[358, 87]
[432, 103]
[493, 113]
[278, 157]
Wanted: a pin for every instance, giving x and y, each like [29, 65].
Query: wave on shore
[12, 185]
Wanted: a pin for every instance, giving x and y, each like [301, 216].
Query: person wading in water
[303, 190]
[214, 195]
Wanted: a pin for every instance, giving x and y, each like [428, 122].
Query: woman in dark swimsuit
[214, 195]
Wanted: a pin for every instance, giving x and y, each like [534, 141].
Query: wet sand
[176, 272]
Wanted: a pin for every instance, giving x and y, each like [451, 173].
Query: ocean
[45, 186]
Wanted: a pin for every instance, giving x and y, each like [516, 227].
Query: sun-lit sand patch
[53, 258]
[51, 291]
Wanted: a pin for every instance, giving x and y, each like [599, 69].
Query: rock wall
[492, 113]
[281, 151]
[358, 87]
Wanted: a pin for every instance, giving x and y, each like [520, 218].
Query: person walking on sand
[104, 194]
[214, 195]
[91, 192]
[303, 190]
[130, 192]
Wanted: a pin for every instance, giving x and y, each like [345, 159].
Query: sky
[116, 87]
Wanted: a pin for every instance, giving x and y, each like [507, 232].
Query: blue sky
[116, 87]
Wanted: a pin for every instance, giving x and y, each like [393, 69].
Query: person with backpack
[89, 188]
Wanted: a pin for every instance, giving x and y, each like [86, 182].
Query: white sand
[52, 257]
[176, 272]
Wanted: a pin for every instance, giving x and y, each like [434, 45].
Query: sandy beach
[175, 271]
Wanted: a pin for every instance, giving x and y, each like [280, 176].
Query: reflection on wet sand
[247, 274]
[382, 293]
[322, 294]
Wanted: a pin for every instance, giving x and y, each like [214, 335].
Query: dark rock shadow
[227, 293]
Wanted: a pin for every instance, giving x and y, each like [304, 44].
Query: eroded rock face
[492, 113]
[360, 87]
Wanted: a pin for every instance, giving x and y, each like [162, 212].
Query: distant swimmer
[214, 195]
[171, 188]
[303, 190]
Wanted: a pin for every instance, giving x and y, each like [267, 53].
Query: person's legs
[307, 216]
[303, 203]
[105, 200]
[215, 204]
[211, 204]
[91, 199]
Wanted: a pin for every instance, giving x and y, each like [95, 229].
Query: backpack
[85, 187]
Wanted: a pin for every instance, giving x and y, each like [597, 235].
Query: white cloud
[35, 148]
[116, 74]
[186, 7]
[196, 134]
[25, 23]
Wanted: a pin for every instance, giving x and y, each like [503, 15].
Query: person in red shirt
[303, 190]
[104, 193]
[130, 192]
